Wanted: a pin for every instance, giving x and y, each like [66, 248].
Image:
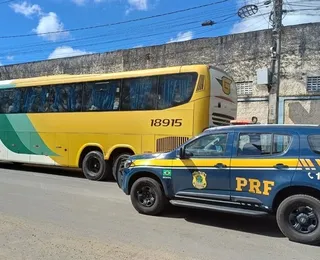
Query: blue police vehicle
[244, 169]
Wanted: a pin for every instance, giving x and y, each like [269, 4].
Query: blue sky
[40, 17]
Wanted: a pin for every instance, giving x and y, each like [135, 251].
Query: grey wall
[240, 55]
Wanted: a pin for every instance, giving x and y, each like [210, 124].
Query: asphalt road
[57, 214]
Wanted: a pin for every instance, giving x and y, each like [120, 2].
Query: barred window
[244, 88]
[313, 84]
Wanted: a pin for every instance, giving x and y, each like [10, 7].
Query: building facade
[239, 54]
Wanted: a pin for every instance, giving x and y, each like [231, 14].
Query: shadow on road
[46, 170]
[265, 226]
[74, 173]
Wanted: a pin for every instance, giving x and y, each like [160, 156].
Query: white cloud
[26, 9]
[258, 22]
[79, 2]
[10, 57]
[66, 51]
[50, 23]
[1, 64]
[139, 4]
[182, 36]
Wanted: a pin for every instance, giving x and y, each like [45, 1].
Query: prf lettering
[255, 186]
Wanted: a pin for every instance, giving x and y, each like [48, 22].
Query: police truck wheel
[147, 196]
[298, 218]
[119, 164]
[94, 166]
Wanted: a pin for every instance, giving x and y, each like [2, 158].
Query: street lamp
[247, 10]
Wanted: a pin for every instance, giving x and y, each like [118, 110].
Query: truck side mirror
[181, 152]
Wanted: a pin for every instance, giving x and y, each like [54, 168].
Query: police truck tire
[95, 168]
[147, 196]
[289, 219]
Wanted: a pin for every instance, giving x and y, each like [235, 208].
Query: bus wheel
[118, 164]
[298, 218]
[147, 196]
[94, 166]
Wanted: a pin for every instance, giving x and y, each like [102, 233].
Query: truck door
[206, 168]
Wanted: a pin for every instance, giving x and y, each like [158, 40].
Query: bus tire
[118, 164]
[94, 166]
[298, 218]
[147, 197]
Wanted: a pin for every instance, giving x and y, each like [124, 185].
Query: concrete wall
[246, 110]
[240, 55]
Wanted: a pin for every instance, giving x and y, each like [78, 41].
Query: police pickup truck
[253, 170]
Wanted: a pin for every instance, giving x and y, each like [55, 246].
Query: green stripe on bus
[22, 124]
[18, 135]
[10, 138]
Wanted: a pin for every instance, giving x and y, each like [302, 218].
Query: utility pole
[273, 108]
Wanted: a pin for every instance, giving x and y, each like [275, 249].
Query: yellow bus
[95, 121]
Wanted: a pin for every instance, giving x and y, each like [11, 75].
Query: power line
[135, 37]
[32, 51]
[26, 51]
[116, 23]
[121, 45]
[132, 29]
[8, 1]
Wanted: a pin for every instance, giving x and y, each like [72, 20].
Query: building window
[244, 88]
[313, 84]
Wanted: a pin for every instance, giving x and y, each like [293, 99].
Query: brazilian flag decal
[166, 174]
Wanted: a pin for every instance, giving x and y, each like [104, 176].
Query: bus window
[75, 96]
[63, 98]
[176, 90]
[10, 101]
[101, 96]
[2, 103]
[48, 100]
[31, 100]
[68, 98]
[139, 94]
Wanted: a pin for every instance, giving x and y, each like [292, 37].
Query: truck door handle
[220, 165]
[280, 166]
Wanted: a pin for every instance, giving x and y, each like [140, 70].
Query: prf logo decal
[254, 185]
[226, 85]
[199, 180]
